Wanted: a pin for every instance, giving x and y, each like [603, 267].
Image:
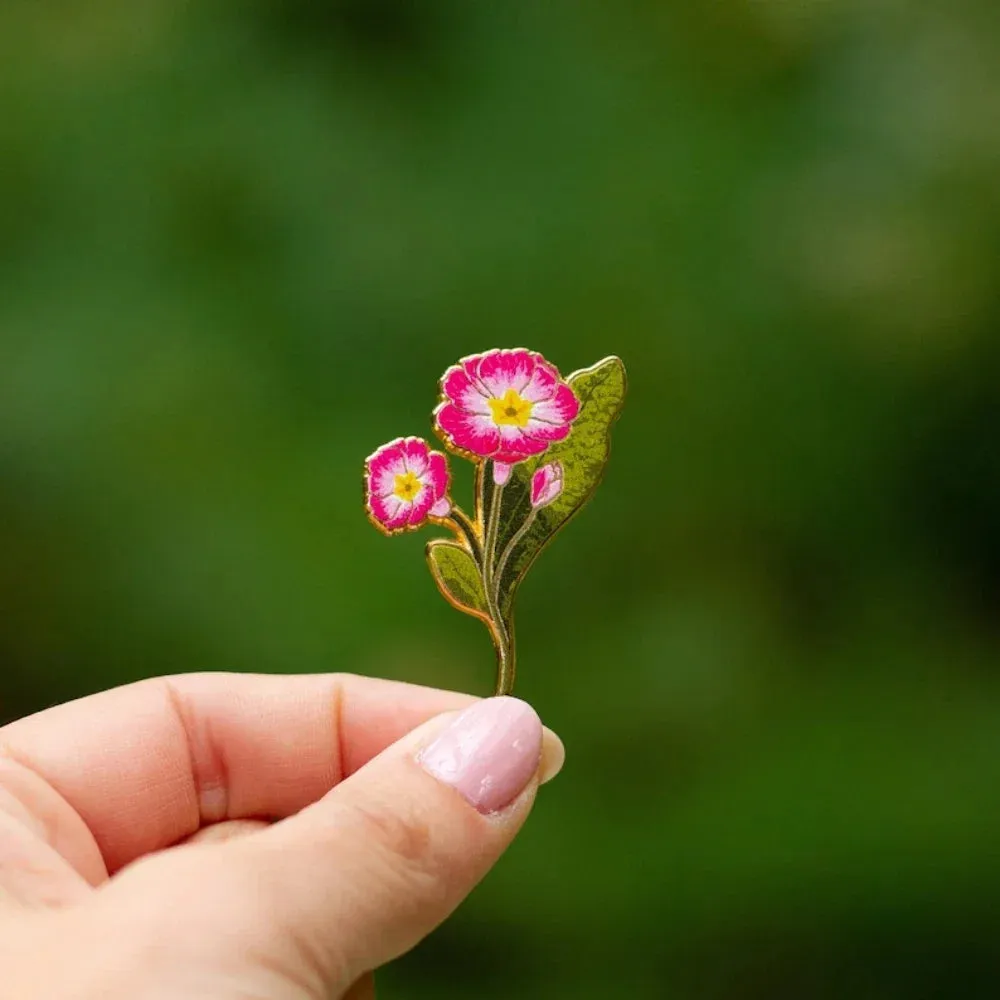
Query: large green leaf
[584, 454]
[457, 576]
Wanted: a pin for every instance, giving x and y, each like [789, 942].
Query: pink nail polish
[488, 753]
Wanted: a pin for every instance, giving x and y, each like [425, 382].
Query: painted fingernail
[488, 753]
[553, 756]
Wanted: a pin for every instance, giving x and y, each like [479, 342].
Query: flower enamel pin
[540, 443]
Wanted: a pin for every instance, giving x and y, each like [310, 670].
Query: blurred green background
[239, 242]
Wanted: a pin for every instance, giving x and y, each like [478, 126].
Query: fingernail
[553, 756]
[488, 753]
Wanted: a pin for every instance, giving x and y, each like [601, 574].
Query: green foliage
[584, 454]
[458, 577]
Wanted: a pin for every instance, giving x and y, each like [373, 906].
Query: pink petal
[518, 450]
[543, 382]
[522, 438]
[442, 508]
[506, 369]
[538, 483]
[421, 506]
[501, 473]
[415, 455]
[547, 432]
[460, 388]
[471, 365]
[436, 477]
[383, 467]
[562, 408]
[390, 512]
[468, 431]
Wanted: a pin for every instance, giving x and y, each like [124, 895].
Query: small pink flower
[546, 484]
[505, 404]
[405, 483]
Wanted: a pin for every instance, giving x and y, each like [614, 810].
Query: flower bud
[546, 484]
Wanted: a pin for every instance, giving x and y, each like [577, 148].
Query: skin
[233, 836]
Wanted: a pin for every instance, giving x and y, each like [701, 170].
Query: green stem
[509, 549]
[505, 651]
[466, 530]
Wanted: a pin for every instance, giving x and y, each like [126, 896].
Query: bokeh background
[239, 242]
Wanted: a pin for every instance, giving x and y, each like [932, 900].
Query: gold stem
[467, 531]
[505, 652]
[511, 545]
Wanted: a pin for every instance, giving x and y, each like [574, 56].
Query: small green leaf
[457, 576]
[584, 454]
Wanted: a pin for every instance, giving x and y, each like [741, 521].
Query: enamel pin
[540, 444]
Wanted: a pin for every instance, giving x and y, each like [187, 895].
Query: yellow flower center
[512, 409]
[407, 486]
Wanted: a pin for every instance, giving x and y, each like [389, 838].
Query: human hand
[239, 836]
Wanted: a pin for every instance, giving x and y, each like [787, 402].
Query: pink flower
[505, 404]
[546, 484]
[405, 483]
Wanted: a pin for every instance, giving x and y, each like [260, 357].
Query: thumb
[361, 876]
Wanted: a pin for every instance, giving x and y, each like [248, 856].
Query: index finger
[148, 764]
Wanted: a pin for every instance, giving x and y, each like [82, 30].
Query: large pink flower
[505, 404]
[405, 483]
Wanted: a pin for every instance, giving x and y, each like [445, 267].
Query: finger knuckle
[402, 839]
[404, 836]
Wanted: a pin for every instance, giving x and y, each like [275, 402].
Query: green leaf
[457, 576]
[584, 454]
